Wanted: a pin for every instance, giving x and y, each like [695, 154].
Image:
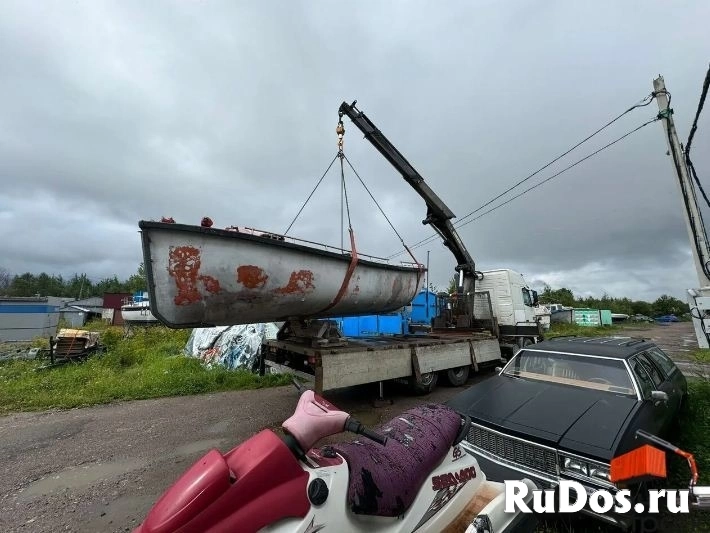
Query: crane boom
[438, 213]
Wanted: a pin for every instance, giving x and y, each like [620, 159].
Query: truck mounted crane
[438, 215]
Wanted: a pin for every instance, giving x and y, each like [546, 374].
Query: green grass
[560, 329]
[701, 356]
[693, 436]
[146, 365]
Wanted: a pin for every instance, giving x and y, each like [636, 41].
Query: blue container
[390, 324]
[371, 325]
[423, 307]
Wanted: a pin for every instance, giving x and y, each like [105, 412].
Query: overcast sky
[114, 112]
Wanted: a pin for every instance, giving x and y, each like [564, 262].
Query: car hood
[573, 418]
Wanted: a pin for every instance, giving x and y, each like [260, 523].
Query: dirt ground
[677, 339]
[99, 469]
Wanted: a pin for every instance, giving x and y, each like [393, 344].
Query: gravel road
[99, 469]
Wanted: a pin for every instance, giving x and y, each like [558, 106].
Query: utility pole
[699, 299]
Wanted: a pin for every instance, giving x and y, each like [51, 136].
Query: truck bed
[381, 358]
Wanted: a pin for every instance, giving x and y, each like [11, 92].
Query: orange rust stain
[211, 284]
[252, 277]
[184, 266]
[299, 282]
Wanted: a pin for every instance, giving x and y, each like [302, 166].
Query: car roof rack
[635, 341]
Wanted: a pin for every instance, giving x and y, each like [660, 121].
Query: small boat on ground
[136, 310]
[202, 276]
[619, 317]
[543, 315]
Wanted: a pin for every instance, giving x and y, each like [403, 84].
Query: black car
[563, 408]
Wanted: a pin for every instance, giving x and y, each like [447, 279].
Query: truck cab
[511, 304]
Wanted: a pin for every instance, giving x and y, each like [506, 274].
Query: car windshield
[588, 372]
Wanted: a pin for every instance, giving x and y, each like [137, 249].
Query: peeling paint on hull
[211, 277]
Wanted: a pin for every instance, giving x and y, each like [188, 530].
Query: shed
[25, 318]
[111, 304]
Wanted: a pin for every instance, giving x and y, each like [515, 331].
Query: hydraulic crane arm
[438, 214]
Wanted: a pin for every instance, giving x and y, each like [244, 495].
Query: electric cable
[592, 154]
[642, 103]
[693, 129]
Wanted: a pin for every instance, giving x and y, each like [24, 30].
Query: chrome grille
[523, 453]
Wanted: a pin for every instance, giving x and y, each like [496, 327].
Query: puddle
[197, 446]
[124, 511]
[79, 476]
[688, 342]
[220, 427]
[85, 475]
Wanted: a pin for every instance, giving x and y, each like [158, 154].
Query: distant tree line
[80, 286]
[76, 286]
[663, 305]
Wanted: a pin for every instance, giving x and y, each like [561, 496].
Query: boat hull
[200, 277]
[138, 314]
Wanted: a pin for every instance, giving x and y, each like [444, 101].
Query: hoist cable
[310, 195]
[380, 208]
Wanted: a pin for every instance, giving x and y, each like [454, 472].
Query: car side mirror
[659, 395]
[535, 298]
[498, 369]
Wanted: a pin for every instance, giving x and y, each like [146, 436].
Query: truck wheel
[457, 376]
[425, 385]
[524, 341]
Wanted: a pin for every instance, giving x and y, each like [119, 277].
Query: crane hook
[340, 131]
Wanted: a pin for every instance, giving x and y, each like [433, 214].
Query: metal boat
[136, 310]
[203, 276]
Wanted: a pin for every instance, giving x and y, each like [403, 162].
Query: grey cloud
[126, 111]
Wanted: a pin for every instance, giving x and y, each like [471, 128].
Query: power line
[608, 145]
[693, 129]
[642, 103]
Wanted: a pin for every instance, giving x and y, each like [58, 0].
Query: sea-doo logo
[457, 453]
[453, 478]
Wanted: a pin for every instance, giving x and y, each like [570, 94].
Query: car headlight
[601, 473]
[575, 465]
[480, 524]
[589, 469]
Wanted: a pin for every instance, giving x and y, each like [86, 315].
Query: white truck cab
[512, 303]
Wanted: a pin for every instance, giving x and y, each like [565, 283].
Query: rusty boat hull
[199, 277]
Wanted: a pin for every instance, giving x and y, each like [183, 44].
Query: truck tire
[524, 341]
[425, 385]
[458, 376]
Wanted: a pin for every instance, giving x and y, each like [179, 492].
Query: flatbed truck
[490, 314]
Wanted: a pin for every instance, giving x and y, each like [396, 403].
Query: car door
[678, 383]
[652, 414]
[661, 382]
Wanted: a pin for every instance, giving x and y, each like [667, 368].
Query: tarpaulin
[233, 347]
